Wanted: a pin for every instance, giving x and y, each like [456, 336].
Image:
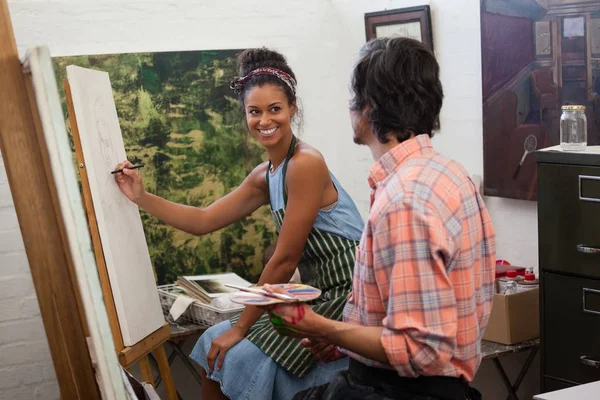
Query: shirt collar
[397, 156]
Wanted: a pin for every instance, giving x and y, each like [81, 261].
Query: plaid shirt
[425, 264]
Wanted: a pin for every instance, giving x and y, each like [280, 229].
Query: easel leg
[146, 370]
[171, 358]
[165, 372]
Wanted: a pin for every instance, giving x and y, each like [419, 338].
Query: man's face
[360, 126]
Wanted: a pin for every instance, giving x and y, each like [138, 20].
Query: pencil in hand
[121, 170]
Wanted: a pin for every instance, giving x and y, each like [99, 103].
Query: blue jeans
[249, 374]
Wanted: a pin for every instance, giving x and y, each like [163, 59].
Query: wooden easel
[154, 343]
[42, 226]
[35, 197]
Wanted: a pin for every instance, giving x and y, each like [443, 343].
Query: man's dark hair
[396, 83]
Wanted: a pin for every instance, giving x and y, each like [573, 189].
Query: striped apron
[327, 263]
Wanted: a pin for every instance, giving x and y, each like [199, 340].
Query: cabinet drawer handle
[590, 361]
[587, 250]
[582, 179]
[590, 292]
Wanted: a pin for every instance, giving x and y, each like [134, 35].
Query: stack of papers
[206, 288]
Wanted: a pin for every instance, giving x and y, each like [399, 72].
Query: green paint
[277, 321]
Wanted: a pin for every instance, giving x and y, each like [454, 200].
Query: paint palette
[301, 292]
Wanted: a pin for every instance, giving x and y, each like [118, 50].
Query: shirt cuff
[396, 349]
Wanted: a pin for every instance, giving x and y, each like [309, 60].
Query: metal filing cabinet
[569, 260]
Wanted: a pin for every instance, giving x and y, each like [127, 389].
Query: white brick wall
[26, 370]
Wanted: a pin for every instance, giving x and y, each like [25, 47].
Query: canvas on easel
[120, 229]
[44, 88]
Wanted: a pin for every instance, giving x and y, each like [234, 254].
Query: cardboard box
[514, 318]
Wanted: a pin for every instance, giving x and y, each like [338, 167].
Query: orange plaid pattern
[425, 264]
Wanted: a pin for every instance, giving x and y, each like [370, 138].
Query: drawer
[569, 219]
[570, 327]
[551, 384]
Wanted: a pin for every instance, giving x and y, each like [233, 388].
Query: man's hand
[300, 321]
[293, 319]
[323, 351]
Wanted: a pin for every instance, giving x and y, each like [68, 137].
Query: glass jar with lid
[530, 282]
[508, 283]
[573, 128]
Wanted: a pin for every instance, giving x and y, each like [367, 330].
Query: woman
[318, 229]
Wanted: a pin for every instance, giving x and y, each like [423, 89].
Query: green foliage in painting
[179, 118]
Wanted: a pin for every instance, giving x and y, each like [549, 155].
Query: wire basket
[197, 313]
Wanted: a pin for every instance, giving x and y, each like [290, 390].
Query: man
[424, 274]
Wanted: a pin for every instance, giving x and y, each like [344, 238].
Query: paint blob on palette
[301, 292]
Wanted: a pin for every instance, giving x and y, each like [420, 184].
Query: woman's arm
[307, 177]
[240, 203]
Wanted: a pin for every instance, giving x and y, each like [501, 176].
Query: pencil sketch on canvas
[119, 223]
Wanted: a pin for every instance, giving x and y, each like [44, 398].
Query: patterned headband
[237, 84]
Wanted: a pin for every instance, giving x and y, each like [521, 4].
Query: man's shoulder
[425, 172]
[433, 181]
[445, 166]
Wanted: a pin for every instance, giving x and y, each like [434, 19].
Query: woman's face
[268, 114]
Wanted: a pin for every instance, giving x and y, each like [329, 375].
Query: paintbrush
[134, 167]
[263, 292]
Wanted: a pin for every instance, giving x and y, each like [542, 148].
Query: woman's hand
[221, 345]
[130, 182]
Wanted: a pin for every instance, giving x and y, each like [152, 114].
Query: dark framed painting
[412, 22]
[537, 56]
